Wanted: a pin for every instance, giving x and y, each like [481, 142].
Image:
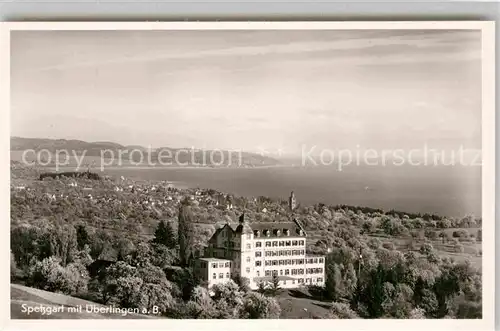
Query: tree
[185, 232]
[258, 306]
[82, 236]
[164, 235]
[274, 287]
[334, 286]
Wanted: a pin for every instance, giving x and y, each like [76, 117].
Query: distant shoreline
[173, 167]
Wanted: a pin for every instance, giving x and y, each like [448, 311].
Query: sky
[249, 90]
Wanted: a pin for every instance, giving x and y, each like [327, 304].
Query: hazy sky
[249, 89]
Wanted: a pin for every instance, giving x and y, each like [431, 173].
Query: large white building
[258, 250]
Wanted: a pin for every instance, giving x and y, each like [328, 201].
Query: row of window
[314, 270]
[301, 280]
[285, 272]
[221, 275]
[315, 260]
[281, 262]
[283, 253]
[221, 265]
[281, 243]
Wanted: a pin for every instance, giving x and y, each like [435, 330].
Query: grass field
[23, 298]
[298, 304]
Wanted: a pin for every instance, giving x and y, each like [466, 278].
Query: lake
[444, 190]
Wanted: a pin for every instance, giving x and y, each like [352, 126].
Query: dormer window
[286, 232]
[256, 233]
[267, 233]
[276, 232]
[301, 233]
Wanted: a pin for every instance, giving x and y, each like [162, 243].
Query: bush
[49, 275]
[463, 234]
[340, 310]
[458, 248]
[258, 306]
[389, 246]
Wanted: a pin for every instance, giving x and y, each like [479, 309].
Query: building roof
[278, 229]
[213, 259]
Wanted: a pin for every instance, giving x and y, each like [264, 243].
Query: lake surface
[445, 190]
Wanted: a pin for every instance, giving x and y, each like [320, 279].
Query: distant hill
[175, 156]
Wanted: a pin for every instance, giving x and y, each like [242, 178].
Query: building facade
[259, 250]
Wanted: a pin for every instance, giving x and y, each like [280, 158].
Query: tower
[292, 202]
[247, 256]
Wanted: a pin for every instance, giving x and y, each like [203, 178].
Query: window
[268, 244]
[289, 253]
[249, 246]
[258, 263]
[214, 265]
[275, 244]
[268, 253]
[247, 270]
[288, 243]
[227, 274]
[248, 258]
[249, 236]
[320, 260]
[258, 244]
[221, 275]
[227, 265]
[281, 262]
[284, 282]
[315, 260]
[268, 263]
[214, 276]
[281, 272]
[268, 273]
[294, 271]
[287, 272]
[293, 281]
[281, 253]
[275, 272]
[258, 254]
[221, 265]
[301, 242]
[295, 243]
[275, 262]
[320, 280]
[281, 243]
[258, 273]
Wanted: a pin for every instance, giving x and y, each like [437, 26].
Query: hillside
[24, 298]
[140, 154]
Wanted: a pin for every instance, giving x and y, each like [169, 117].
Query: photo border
[488, 177]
